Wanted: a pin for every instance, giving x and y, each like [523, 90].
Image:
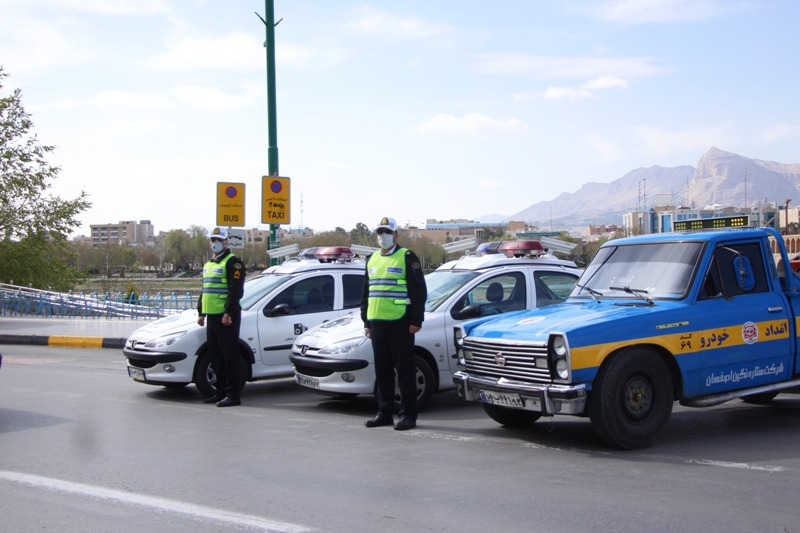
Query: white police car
[278, 305]
[335, 358]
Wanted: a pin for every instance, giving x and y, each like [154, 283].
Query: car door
[301, 304]
[743, 336]
[501, 293]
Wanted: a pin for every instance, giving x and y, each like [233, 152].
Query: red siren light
[520, 248]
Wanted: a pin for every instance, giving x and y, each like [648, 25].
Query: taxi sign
[275, 207]
[230, 204]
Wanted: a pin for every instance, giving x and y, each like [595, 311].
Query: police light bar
[283, 251]
[460, 246]
[555, 245]
[520, 248]
[363, 250]
[330, 254]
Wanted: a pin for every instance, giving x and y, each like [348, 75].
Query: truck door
[302, 304]
[743, 336]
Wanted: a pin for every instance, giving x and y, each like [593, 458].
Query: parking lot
[84, 448]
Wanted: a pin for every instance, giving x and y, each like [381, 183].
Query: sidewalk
[71, 331]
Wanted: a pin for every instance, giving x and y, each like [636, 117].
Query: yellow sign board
[275, 197]
[230, 204]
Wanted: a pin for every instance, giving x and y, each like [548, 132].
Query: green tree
[197, 249]
[362, 235]
[33, 223]
[176, 243]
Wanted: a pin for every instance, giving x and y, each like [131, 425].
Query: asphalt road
[84, 448]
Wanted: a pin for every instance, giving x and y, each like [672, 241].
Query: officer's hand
[413, 329]
[201, 320]
[367, 333]
[226, 320]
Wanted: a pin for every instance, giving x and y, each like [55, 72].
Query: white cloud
[780, 132]
[36, 45]
[558, 93]
[541, 67]
[472, 124]
[522, 97]
[663, 143]
[646, 11]
[215, 99]
[235, 51]
[372, 21]
[607, 150]
[491, 184]
[128, 100]
[112, 7]
[605, 82]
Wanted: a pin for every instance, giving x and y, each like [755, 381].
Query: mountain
[718, 179]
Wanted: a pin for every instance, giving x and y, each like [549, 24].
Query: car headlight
[558, 358]
[343, 347]
[165, 341]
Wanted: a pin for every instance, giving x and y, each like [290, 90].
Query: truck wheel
[763, 398]
[425, 384]
[206, 380]
[512, 418]
[631, 399]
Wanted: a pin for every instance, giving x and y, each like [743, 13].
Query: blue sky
[415, 109]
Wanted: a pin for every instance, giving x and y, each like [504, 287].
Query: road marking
[195, 512]
[745, 466]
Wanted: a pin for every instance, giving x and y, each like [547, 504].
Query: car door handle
[775, 309]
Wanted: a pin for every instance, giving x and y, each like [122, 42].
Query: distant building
[443, 231]
[661, 219]
[601, 232]
[124, 233]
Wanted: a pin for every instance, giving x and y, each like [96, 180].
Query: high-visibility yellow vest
[388, 290]
[215, 287]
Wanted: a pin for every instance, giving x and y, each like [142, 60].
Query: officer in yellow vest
[223, 287]
[392, 309]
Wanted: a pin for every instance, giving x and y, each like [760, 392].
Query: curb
[64, 341]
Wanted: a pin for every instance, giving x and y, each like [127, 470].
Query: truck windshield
[442, 284]
[640, 271]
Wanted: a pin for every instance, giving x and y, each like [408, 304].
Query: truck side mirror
[278, 310]
[745, 277]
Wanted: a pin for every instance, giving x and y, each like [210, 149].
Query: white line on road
[195, 512]
[745, 466]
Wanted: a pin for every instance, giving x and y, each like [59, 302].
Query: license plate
[501, 398]
[311, 383]
[136, 373]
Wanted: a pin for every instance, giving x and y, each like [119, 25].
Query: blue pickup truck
[700, 318]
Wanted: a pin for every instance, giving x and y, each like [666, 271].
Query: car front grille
[526, 362]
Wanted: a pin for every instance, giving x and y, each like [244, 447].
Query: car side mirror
[470, 311]
[278, 310]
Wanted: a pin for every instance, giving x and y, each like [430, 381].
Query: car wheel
[763, 398]
[631, 399]
[205, 379]
[513, 418]
[424, 380]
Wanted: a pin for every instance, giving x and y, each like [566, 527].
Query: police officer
[223, 287]
[392, 309]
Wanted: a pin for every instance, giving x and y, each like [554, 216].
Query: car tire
[631, 398]
[508, 417]
[206, 380]
[425, 384]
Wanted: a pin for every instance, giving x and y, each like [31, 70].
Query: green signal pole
[272, 120]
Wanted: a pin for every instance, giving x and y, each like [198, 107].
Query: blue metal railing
[16, 300]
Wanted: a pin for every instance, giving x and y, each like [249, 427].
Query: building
[124, 233]
[661, 219]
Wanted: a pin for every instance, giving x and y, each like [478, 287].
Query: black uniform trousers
[223, 347]
[393, 347]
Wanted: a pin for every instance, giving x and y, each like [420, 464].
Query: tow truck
[278, 305]
[697, 317]
[336, 359]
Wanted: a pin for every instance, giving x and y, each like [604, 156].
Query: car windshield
[442, 284]
[640, 271]
[256, 288]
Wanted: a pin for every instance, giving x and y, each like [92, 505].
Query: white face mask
[217, 246]
[385, 240]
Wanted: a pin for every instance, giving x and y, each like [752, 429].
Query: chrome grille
[516, 361]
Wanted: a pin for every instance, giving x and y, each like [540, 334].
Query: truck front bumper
[548, 399]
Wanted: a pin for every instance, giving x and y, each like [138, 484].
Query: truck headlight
[165, 341]
[458, 337]
[343, 347]
[558, 358]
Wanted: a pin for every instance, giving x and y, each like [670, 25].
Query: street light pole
[272, 120]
